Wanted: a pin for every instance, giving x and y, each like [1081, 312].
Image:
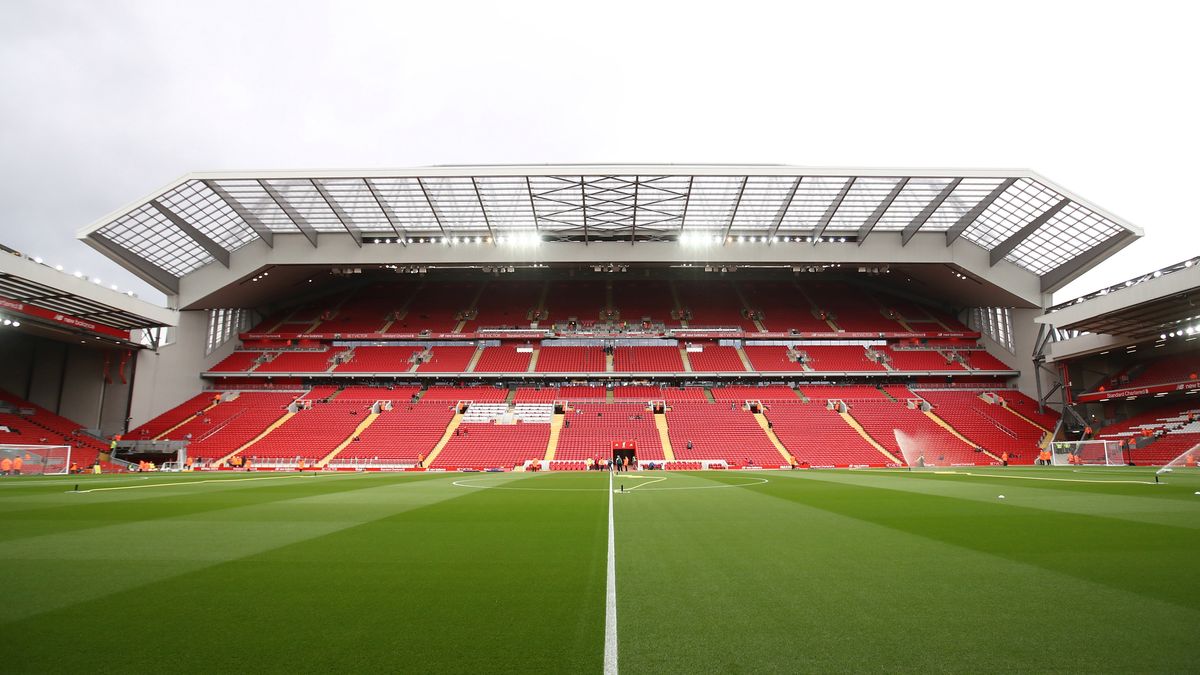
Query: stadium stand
[31, 424]
[504, 359]
[589, 432]
[882, 419]
[818, 437]
[570, 360]
[487, 445]
[309, 434]
[988, 425]
[237, 362]
[771, 358]
[715, 432]
[833, 358]
[505, 304]
[298, 362]
[444, 359]
[647, 360]
[715, 359]
[398, 437]
[378, 360]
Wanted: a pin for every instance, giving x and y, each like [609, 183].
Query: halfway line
[610, 604]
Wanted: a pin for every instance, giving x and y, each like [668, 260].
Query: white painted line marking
[191, 482]
[610, 600]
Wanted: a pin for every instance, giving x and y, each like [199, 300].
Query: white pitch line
[649, 482]
[610, 601]
[1059, 480]
[190, 482]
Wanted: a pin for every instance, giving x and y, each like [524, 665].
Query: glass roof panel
[354, 198]
[965, 197]
[200, 206]
[148, 234]
[864, 197]
[1070, 232]
[1024, 201]
[915, 196]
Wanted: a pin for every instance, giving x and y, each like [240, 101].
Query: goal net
[28, 460]
[1089, 453]
[1187, 460]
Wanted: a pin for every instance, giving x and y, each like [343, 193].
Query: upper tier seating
[1183, 367]
[400, 435]
[366, 312]
[638, 300]
[838, 358]
[479, 394]
[379, 360]
[435, 307]
[298, 362]
[593, 427]
[919, 359]
[580, 300]
[505, 304]
[852, 309]
[771, 358]
[819, 437]
[783, 306]
[503, 359]
[881, 419]
[485, 445]
[716, 359]
[237, 362]
[446, 359]
[713, 303]
[716, 432]
[647, 360]
[570, 360]
[397, 394]
[978, 359]
[823, 393]
[765, 393]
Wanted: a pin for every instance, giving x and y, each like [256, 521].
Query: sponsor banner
[674, 333]
[60, 318]
[1140, 391]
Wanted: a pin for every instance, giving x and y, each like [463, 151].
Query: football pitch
[1075, 570]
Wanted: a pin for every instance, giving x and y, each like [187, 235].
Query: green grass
[807, 571]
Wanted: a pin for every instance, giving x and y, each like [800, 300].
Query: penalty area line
[1059, 480]
[190, 482]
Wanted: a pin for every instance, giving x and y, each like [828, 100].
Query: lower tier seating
[714, 431]
[486, 446]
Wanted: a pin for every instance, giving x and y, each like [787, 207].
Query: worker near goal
[17, 462]
[5, 466]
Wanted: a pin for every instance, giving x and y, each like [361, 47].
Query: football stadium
[583, 418]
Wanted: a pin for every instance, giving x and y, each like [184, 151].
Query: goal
[1090, 453]
[38, 459]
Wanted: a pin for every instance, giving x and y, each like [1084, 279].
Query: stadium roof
[1161, 302]
[42, 295]
[1014, 215]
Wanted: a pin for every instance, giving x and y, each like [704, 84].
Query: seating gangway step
[185, 421]
[441, 444]
[954, 432]
[664, 436]
[265, 432]
[556, 425]
[362, 426]
[766, 427]
[854, 424]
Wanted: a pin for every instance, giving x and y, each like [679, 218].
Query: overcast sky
[102, 102]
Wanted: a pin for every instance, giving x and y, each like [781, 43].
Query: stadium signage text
[64, 319]
[1140, 391]
[677, 333]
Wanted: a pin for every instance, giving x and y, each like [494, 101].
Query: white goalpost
[1087, 453]
[36, 460]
